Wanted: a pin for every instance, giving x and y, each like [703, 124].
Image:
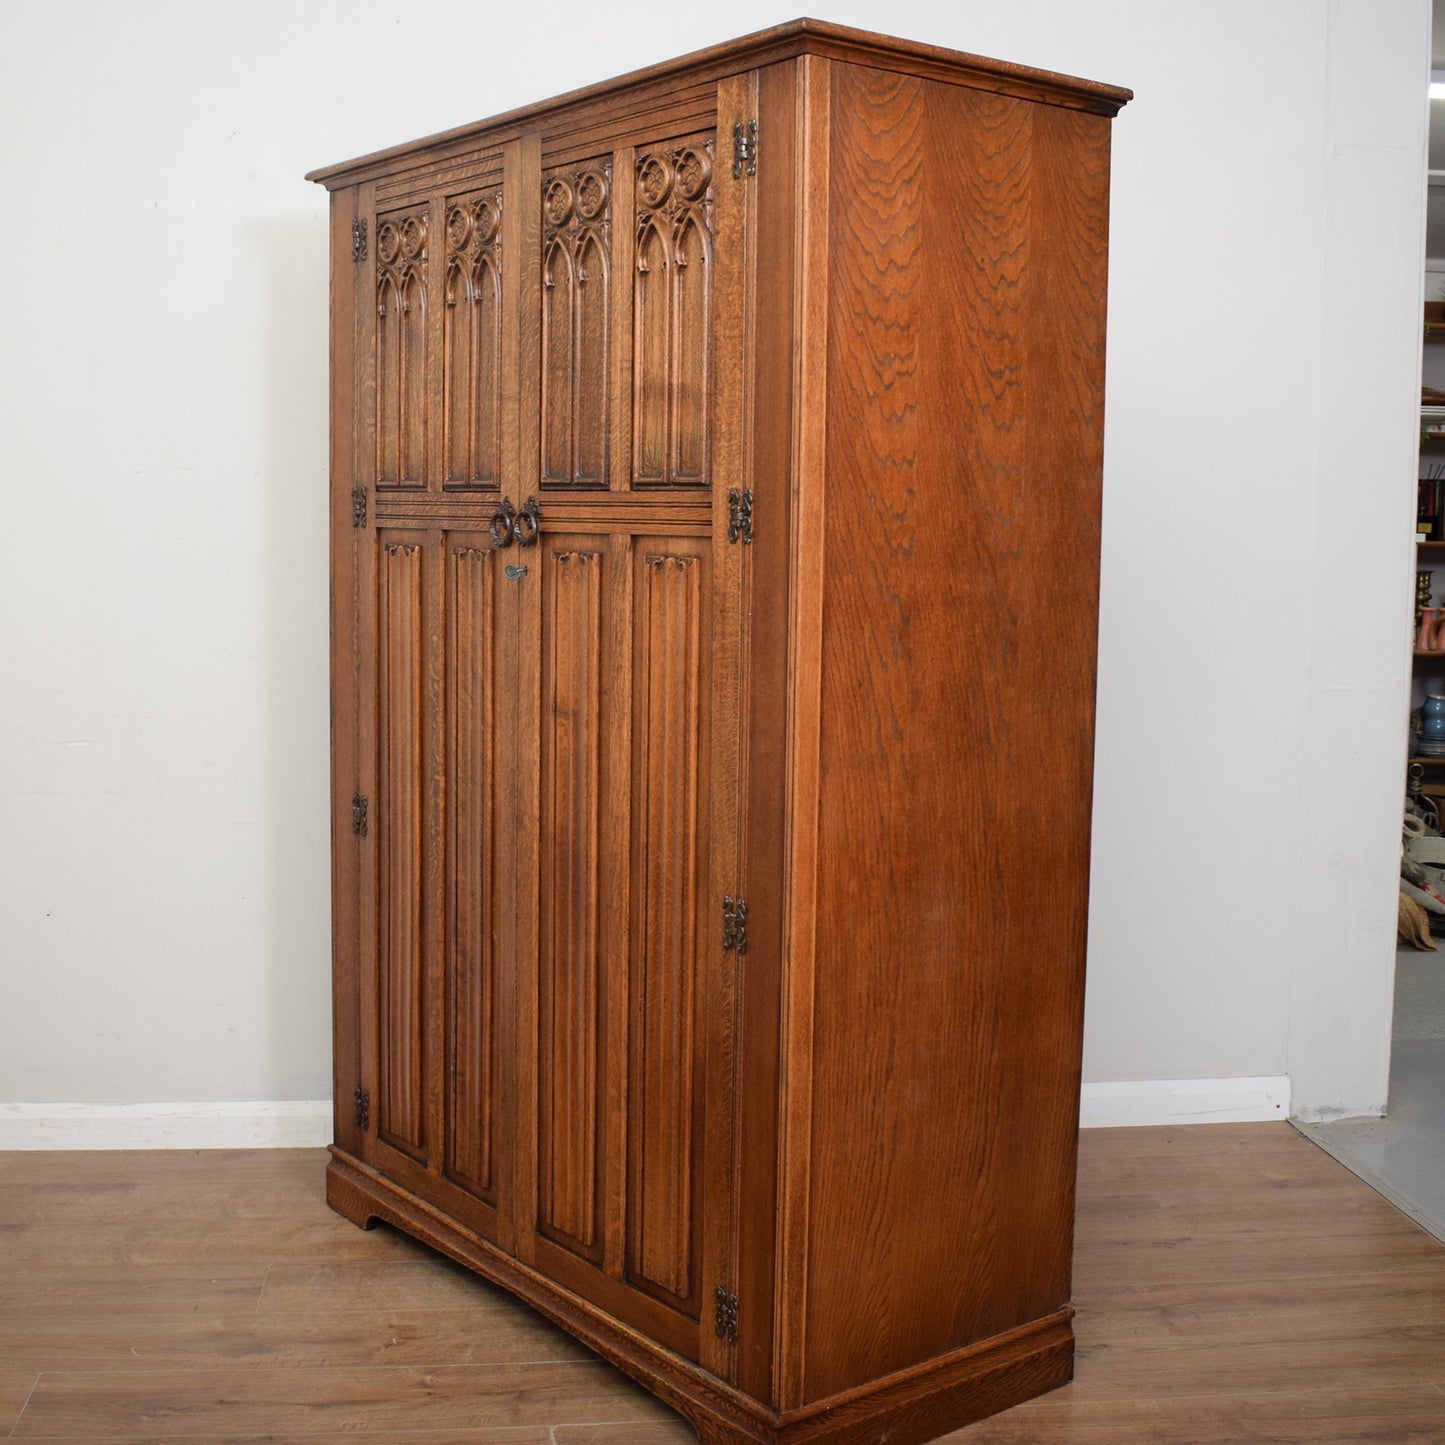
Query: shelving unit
[1429, 664]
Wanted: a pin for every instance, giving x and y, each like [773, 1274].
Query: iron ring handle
[503, 527]
[528, 523]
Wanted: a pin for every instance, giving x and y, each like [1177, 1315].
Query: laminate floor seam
[30, 1395]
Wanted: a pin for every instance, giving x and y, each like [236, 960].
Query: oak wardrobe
[715, 515]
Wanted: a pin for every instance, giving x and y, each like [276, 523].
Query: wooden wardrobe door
[436, 629]
[619, 916]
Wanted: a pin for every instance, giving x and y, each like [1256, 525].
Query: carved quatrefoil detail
[585, 195]
[558, 201]
[413, 237]
[388, 242]
[473, 224]
[591, 195]
[681, 177]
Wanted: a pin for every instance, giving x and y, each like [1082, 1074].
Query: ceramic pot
[1433, 717]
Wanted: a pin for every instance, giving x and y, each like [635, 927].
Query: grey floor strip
[1403, 1155]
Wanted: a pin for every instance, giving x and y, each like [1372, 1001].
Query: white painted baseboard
[282, 1124]
[306, 1123]
[1184, 1101]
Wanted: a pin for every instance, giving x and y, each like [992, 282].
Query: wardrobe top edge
[781, 42]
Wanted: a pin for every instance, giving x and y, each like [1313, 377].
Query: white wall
[163, 841]
[1358, 646]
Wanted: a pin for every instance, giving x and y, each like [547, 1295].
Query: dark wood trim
[907, 1408]
[809, 385]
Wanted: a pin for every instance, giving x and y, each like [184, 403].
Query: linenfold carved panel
[570, 1054]
[471, 961]
[401, 649]
[671, 309]
[661, 1093]
[471, 352]
[576, 324]
[401, 354]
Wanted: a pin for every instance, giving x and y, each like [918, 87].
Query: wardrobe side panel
[348, 298]
[965, 384]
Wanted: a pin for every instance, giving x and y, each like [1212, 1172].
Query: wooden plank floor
[1234, 1283]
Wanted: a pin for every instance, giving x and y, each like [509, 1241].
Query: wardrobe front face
[533, 699]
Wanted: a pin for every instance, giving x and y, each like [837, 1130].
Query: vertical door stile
[731, 468]
[514, 903]
[434, 792]
[618, 651]
[520, 798]
[803, 783]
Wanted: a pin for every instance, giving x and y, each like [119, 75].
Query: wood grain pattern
[331, 1401]
[428, 177]
[663, 1090]
[368, 1332]
[646, 116]
[212, 1285]
[571, 1048]
[658, 1432]
[503, 1435]
[400, 823]
[1344, 1415]
[808, 207]
[472, 1120]
[950, 671]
